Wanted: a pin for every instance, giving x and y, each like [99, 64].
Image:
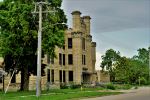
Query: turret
[76, 20]
[86, 20]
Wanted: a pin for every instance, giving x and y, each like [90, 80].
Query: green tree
[143, 55]
[130, 70]
[18, 35]
[121, 70]
[108, 61]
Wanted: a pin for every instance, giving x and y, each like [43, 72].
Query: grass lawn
[62, 94]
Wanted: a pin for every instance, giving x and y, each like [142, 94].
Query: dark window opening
[83, 43]
[83, 60]
[64, 47]
[70, 59]
[52, 75]
[48, 58]
[13, 80]
[64, 76]
[69, 43]
[48, 75]
[60, 76]
[64, 59]
[60, 59]
[1, 79]
[70, 75]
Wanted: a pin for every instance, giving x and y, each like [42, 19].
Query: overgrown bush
[74, 86]
[70, 86]
[143, 81]
[110, 86]
[63, 86]
[148, 82]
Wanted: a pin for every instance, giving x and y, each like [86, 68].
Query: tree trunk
[24, 86]
[112, 78]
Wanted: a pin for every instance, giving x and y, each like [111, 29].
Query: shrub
[63, 86]
[110, 86]
[135, 87]
[148, 82]
[74, 86]
[143, 81]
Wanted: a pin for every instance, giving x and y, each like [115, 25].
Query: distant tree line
[122, 69]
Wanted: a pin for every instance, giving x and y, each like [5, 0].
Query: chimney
[76, 20]
[86, 20]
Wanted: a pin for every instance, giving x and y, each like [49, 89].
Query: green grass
[123, 86]
[62, 94]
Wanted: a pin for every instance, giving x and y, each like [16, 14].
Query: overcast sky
[123, 25]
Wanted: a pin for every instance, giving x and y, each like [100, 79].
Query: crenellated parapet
[89, 38]
[76, 34]
[93, 44]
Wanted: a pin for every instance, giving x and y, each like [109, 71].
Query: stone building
[75, 62]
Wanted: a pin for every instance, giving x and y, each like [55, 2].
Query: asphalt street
[143, 93]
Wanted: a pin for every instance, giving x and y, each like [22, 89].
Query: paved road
[142, 93]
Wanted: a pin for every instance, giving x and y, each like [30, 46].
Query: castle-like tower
[76, 60]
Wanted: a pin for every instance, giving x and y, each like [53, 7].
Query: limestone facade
[75, 62]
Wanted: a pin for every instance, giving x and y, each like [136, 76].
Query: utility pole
[149, 63]
[38, 80]
[149, 59]
[40, 12]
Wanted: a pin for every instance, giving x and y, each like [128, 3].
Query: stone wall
[103, 76]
